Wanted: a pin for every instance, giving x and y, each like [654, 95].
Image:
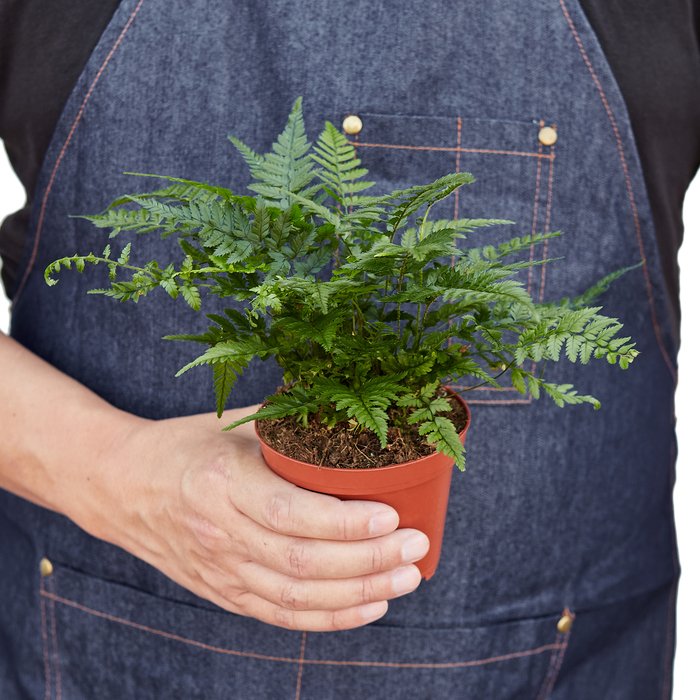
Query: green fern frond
[438, 430]
[321, 330]
[406, 202]
[438, 243]
[563, 394]
[485, 286]
[367, 404]
[340, 169]
[224, 377]
[600, 287]
[294, 402]
[514, 246]
[187, 190]
[238, 353]
[442, 434]
[137, 220]
[581, 332]
[287, 168]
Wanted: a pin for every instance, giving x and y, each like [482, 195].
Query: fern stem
[480, 384]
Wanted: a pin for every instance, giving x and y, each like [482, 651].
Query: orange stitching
[301, 665]
[628, 184]
[458, 149]
[556, 660]
[456, 208]
[557, 667]
[534, 214]
[535, 207]
[502, 402]
[547, 223]
[455, 214]
[457, 163]
[54, 637]
[45, 643]
[494, 388]
[446, 665]
[299, 660]
[64, 148]
[498, 389]
[545, 688]
[162, 633]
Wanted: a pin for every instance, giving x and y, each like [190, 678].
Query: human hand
[202, 507]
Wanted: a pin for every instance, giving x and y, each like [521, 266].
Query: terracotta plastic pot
[417, 490]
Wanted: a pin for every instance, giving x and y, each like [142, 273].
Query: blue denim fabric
[560, 509]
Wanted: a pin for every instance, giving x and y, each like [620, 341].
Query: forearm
[54, 431]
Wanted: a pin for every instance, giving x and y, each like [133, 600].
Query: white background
[687, 490]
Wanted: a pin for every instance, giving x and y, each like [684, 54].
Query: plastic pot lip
[420, 462]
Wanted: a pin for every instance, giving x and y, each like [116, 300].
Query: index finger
[290, 510]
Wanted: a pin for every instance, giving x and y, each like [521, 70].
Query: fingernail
[415, 548]
[373, 611]
[384, 522]
[404, 580]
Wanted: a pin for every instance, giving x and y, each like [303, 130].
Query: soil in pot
[345, 448]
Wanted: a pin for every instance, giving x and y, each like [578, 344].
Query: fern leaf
[236, 352]
[190, 294]
[442, 434]
[410, 200]
[340, 169]
[170, 286]
[224, 375]
[367, 404]
[295, 402]
[563, 394]
[287, 168]
[321, 330]
[438, 243]
[600, 287]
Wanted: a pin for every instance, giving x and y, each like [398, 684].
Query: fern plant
[365, 302]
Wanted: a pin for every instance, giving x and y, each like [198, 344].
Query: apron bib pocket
[512, 162]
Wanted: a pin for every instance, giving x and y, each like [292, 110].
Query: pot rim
[386, 468]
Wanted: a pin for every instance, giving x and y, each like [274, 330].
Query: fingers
[316, 620]
[287, 509]
[327, 594]
[320, 559]
[308, 620]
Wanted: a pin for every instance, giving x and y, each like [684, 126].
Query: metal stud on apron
[559, 564]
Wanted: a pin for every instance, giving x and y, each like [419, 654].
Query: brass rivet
[352, 124]
[547, 136]
[565, 623]
[45, 567]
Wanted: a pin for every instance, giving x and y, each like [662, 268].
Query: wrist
[95, 487]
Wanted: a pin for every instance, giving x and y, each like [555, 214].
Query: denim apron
[559, 569]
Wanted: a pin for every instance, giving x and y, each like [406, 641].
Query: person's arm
[199, 504]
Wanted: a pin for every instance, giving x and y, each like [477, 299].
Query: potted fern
[369, 306]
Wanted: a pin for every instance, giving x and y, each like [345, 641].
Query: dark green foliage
[366, 312]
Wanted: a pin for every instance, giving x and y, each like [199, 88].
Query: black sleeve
[653, 47]
[43, 48]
